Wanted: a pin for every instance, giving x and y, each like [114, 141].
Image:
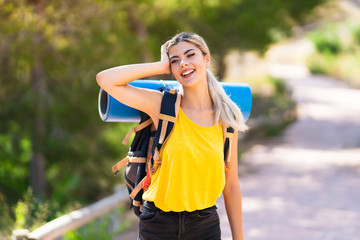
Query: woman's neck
[197, 98]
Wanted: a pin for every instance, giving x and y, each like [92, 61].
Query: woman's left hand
[232, 193]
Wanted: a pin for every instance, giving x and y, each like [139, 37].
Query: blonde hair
[226, 111]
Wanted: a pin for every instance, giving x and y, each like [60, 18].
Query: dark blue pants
[156, 224]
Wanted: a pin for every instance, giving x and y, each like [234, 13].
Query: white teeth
[188, 72]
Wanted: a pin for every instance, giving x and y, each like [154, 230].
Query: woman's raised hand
[165, 58]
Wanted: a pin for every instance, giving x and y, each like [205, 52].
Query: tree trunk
[37, 163]
[221, 68]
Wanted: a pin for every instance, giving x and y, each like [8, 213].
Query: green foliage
[326, 42]
[6, 220]
[356, 34]
[280, 87]
[233, 24]
[15, 152]
[321, 63]
[31, 213]
[277, 110]
[338, 52]
[49, 58]
[27, 213]
[74, 140]
[92, 231]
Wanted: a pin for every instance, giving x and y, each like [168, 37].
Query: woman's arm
[232, 193]
[115, 82]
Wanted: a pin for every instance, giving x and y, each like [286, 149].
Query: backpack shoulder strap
[169, 110]
[228, 133]
[170, 105]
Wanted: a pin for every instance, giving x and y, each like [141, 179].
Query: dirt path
[306, 184]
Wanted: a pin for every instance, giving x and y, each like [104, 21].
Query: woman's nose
[184, 63]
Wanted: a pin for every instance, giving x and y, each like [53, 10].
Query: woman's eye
[190, 55]
[173, 61]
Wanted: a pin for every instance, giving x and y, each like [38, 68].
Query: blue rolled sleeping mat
[111, 110]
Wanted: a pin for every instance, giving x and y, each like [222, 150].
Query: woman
[180, 202]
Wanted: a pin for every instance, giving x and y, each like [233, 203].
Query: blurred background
[55, 152]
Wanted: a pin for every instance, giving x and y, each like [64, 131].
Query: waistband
[203, 211]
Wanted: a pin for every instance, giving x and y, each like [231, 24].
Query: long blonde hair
[226, 111]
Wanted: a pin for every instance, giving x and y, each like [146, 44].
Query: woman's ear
[207, 60]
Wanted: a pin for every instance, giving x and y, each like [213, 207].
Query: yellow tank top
[191, 176]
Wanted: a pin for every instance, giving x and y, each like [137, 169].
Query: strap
[170, 105]
[164, 126]
[136, 203]
[119, 165]
[177, 104]
[126, 160]
[137, 159]
[143, 125]
[228, 157]
[149, 152]
[128, 184]
[228, 133]
[136, 129]
[167, 118]
[137, 188]
[156, 155]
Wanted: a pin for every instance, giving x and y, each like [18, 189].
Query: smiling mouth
[188, 73]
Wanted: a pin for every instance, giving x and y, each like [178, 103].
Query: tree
[227, 25]
[51, 52]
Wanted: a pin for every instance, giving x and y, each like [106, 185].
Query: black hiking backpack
[145, 148]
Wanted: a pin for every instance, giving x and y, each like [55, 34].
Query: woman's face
[188, 64]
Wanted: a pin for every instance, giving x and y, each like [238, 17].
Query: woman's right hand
[115, 82]
[165, 58]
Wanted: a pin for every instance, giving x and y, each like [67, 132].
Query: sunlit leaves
[81, 38]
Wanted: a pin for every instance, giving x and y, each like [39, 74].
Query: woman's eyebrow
[184, 53]
[188, 51]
